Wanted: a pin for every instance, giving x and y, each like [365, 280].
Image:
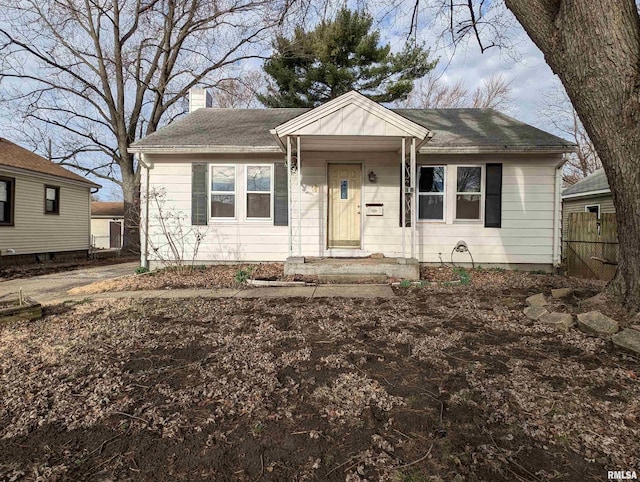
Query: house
[107, 224]
[44, 208]
[430, 186]
[591, 195]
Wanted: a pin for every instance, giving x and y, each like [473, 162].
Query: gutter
[586, 194]
[430, 149]
[205, 150]
[427, 148]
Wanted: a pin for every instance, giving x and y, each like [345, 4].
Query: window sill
[429, 221]
[51, 214]
[468, 221]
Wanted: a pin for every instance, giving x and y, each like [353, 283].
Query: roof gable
[12, 155]
[352, 114]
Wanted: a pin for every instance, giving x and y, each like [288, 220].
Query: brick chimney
[199, 99]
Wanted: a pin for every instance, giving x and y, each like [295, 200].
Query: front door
[345, 183]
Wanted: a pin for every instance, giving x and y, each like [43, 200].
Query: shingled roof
[12, 155]
[593, 183]
[112, 209]
[249, 128]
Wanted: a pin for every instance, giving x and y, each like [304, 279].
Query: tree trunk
[594, 47]
[131, 195]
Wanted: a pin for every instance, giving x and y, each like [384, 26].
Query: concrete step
[352, 278]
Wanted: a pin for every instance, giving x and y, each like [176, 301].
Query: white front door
[343, 220]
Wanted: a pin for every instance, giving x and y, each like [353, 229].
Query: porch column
[289, 210]
[414, 199]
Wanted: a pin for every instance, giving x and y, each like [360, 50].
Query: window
[51, 200]
[468, 193]
[7, 187]
[431, 191]
[223, 192]
[259, 190]
[593, 208]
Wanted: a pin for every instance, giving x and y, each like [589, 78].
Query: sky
[520, 62]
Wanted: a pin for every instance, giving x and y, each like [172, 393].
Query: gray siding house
[591, 194]
[44, 208]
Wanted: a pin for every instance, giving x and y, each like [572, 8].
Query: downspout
[144, 261]
[289, 200]
[557, 215]
[299, 166]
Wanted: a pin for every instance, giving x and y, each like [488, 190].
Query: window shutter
[493, 196]
[199, 197]
[281, 195]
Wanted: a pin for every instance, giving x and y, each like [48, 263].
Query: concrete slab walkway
[54, 286]
[327, 291]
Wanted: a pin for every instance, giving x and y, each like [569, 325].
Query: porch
[351, 188]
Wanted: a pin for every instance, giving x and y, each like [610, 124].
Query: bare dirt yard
[438, 384]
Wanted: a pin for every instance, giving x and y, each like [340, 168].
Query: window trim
[480, 193]
[56, 211]
[247, 192]
[443, 194]
[587, 206]
[11, 199]
[223, 193]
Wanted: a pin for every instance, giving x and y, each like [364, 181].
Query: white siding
[526, 235]
[36, 232]
[100, 231]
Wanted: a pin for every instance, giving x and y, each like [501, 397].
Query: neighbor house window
[7, 186]
[468, 193]
[259, 191]
[593, 208]
[51, 200]
[223, 192]
[431, 192]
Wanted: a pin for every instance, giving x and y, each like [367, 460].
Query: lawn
[440, 383]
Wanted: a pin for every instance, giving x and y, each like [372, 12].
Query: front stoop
[354, 268]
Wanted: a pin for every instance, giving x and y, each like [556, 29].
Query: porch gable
[351, 114]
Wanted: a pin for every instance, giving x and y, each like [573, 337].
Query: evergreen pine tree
[336, 57]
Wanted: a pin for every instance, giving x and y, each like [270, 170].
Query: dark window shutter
[281, 195]
[199, 195]
[493, 196]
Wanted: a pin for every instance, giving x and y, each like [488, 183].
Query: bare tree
[494, 93]
[433, 93]
[557, 110]
[239, 93]
[94, 75]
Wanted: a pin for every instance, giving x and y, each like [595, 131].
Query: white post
[414, 195]
[289, 200]
[402, 199]
[299, 196]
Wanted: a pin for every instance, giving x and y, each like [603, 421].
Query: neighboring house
[107, 224]
[44, 208]
[591, 194]
[471, 175]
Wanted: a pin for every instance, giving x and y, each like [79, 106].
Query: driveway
[54, 286]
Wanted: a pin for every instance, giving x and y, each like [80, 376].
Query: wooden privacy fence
[591, 247]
